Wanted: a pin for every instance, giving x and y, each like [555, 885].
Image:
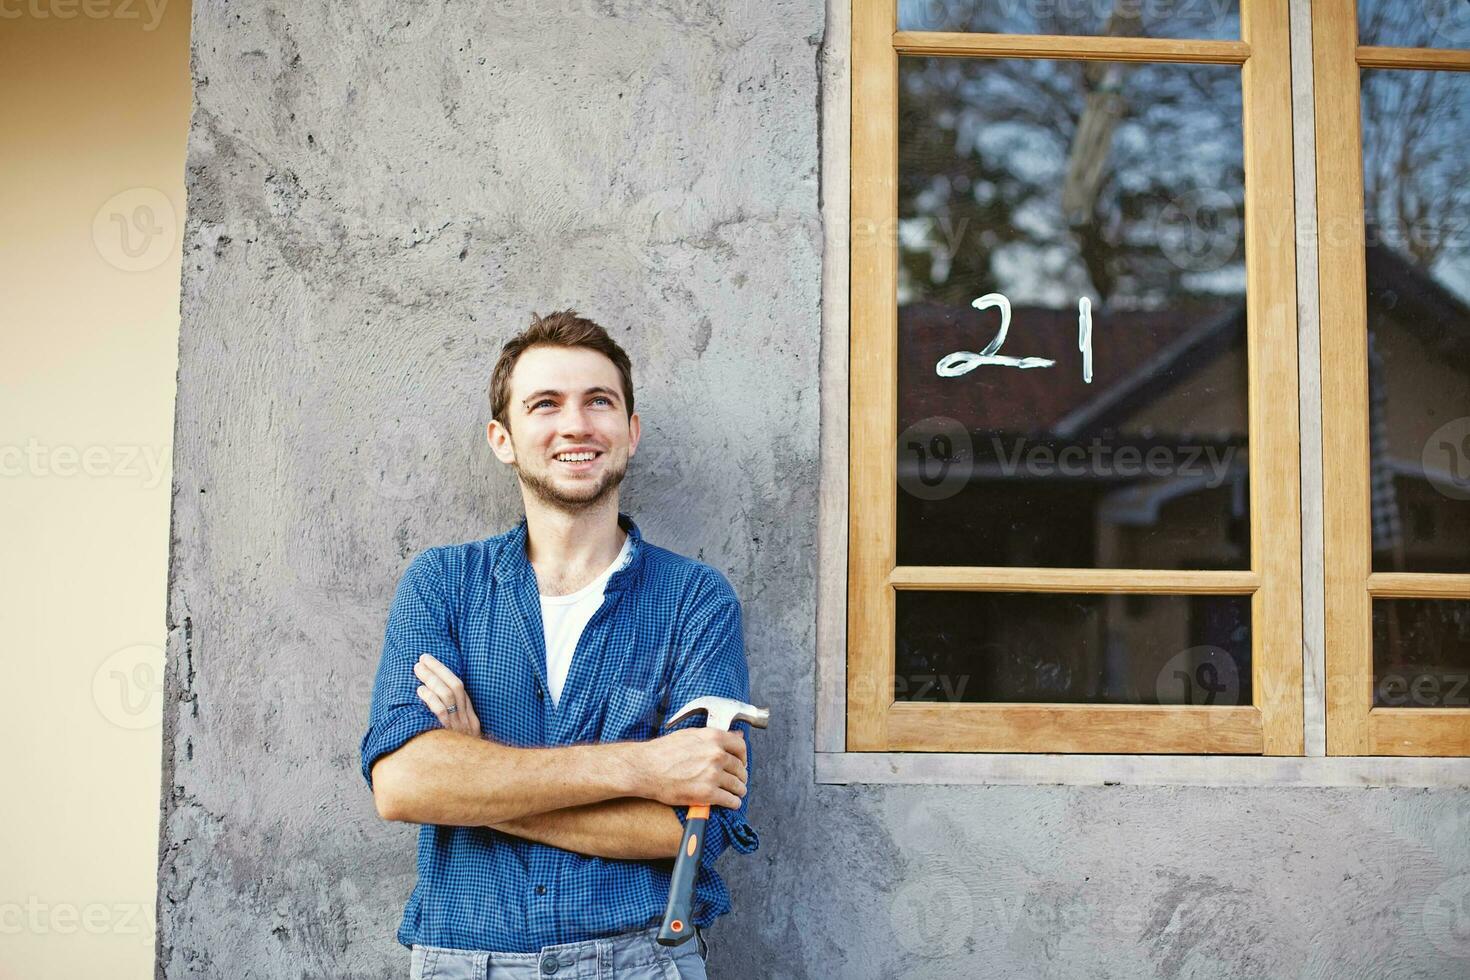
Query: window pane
[1094, 211]
[1416, 182]
[1421, 653]
[1073, 649]
[1422, 24]
[1219, 19]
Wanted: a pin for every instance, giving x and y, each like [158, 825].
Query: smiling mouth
[577, 459]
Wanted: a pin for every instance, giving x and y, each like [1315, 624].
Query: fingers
[436, 705]
[734, 784]
[734, 743]
[734, 767]
[441, 680]
[446, 689]
[704, 765]
[731, 742]
[730, 783]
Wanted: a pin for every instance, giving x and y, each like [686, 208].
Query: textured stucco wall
[374, 202]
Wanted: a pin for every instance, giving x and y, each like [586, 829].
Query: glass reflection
[1073, 649]
[1416, 183]
[1421, 653]
[1425, 24]
[1215, 19]
[1072, 358]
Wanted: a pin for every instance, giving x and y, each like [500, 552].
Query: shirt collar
[512, 563]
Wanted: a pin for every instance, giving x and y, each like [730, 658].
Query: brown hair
[561, 329]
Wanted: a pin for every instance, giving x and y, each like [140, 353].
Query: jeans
[626, 956]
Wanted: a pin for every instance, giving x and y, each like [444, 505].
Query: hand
[694, 765]
[439, 688]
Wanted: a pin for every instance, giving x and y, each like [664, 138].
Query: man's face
[566, 404]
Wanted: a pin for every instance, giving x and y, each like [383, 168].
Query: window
[1075, 503]
[1394, 209]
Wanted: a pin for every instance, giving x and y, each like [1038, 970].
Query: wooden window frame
[1354, 726]
[875, 721]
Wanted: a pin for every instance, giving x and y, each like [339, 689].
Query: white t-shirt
[563, 617]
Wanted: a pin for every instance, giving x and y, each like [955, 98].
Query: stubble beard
[548, 492]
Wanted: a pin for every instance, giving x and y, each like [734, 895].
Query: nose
[574, 421]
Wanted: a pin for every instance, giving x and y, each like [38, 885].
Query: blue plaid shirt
[667, 632]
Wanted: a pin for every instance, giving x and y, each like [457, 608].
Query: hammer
[720, 713]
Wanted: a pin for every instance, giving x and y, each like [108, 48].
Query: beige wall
[93, 107]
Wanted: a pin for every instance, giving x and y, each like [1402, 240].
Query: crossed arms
[609, 800]
[428, 765]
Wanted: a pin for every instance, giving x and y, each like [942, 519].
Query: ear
[498, 436]
[635, 428]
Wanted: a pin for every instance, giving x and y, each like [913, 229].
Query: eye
[544, 401]
[604, 399]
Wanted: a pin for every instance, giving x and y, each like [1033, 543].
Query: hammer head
[722, 712]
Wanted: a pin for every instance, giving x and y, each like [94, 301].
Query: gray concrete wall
[374, 203]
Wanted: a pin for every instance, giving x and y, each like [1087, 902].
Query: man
[516, 707]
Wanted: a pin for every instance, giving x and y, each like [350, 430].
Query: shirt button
[540, 889]
[549, 964]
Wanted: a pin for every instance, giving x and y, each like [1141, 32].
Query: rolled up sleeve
[711, 661]
[419, 621]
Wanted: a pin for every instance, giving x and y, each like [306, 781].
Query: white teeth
[575, 457]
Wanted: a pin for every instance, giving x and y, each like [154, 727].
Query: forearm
[456, 780]
[629, 829]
